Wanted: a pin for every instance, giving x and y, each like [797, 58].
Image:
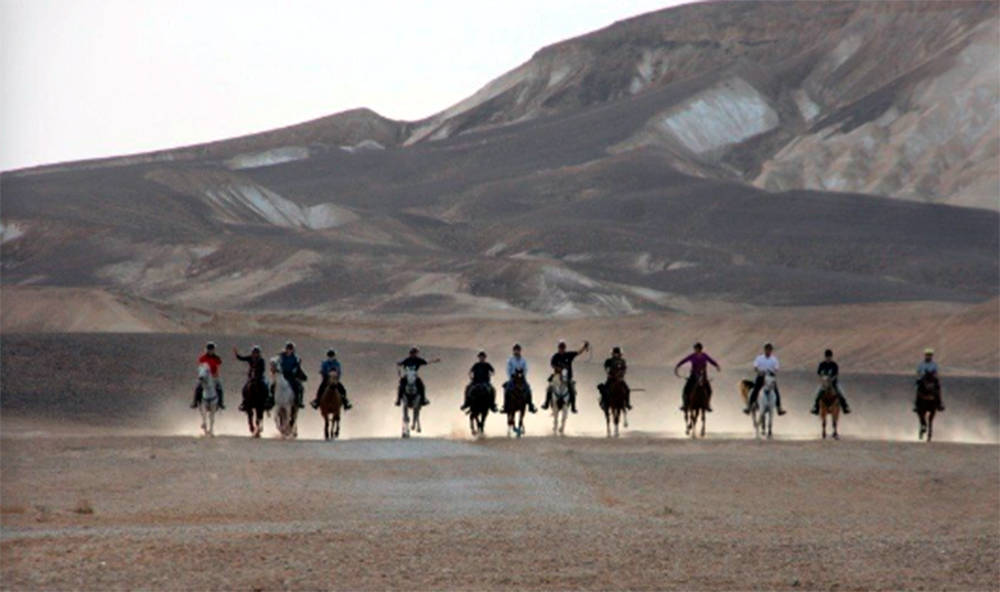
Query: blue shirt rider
[291, 368]
[331, 365]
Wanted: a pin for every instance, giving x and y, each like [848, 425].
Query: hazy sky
[89, 78]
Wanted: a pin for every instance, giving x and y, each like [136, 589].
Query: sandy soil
[176, 513]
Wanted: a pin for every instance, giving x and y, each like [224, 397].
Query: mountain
[710, 159]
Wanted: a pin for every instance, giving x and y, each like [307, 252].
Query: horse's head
[826, 381]
[564, 375]
[411, 375]
[333, 377]
[702, 378]
[518, 377]
[273, 364]
[769, 379]
[204, 372]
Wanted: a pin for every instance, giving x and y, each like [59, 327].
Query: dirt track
[540, 513]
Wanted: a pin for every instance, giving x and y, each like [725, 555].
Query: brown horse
[829, 404]
[516, 401]
[615, 405]
[255, 399]
[329, 406]
[697, 404]
[928, 393]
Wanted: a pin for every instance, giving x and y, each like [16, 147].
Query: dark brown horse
[516, 401]
[330, 405]
[697, 405]
[617, 392]
[255, 399]
[479, 408]
[928, 394]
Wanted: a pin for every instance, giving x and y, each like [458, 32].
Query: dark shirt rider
[615, 368]
[416, 362]
[563, 360]
[256, 371]
[481, 373]
[829, 368]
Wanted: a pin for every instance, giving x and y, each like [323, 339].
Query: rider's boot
[777, 396]
[708, 404]
[222, 399]
[531, 405]
[844, 405]
[319, 393]
[628, 399]
[346, 402]
[548, 400]
[197, 398]
[299, 395]
[815, 409]
[493, 401]
[465, 403]
[572, 401]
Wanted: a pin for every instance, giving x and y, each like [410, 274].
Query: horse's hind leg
[930, 426]
[607, 419]
[704, 417]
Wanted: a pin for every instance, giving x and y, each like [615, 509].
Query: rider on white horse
[331, 365]
[413, 361]
[763, 364]
[615, 368]
[699, 361]
[291, 368]
[213, 362]
[257, 371]
[517, 363]
[830, 369]
[563, 360]
[481, 373]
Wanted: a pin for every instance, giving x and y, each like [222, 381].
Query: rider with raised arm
[517, 363]
[563, 360]
[928, 369]
[699, 361]
[213, 361]
[764, 364]
[615, 368]
[257, 371]
[413, 361]
[481, 373]
[291, 368]
[331, 365]
[829, 368]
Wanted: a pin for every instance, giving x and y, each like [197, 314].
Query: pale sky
[90, 78]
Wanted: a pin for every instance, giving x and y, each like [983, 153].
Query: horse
[767, 402]
[411, 400]
[614, 407]
[284, 402]
[697, 405]
[746, 387]
[516, 401]
[928, 389]
[209, 403]
[330, 404]
[829, 404]
[255, 399]
[558, 393]
[479, 408]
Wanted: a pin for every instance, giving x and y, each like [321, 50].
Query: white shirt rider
[765, 363]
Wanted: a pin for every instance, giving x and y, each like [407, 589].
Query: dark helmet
[255, 349]
[828, 353]
[562, 344]
[289, 345]
[210, 345]
[481, 354]
[517, 347]
[768, 345]
[414, 350]
[698, 345]
[330, 352]
[616, 350]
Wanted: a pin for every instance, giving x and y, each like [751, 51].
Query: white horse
[558, 393]
[411, 400]
[285, 411]
[767, 402]
[209, 400]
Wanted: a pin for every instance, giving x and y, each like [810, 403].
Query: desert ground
[106, 485]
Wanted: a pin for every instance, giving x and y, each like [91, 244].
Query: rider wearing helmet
[699, 361]
[331, 365]
[517, 363]
[764, 363]
[929, 368]
[829, 369]
[563, 360]
[413, 361]
[615, 368]
[257, 370]
[481, 373]
[291, 368]
[213, 361]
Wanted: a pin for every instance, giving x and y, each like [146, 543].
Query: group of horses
[258, 400]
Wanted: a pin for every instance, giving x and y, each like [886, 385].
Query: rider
[256, 372]
[291, 368]
[330, 365]
[699, 361]
[414, 361]
[213, 361]
[615, 368]
[480, 373]
[763, 364]
[829, 368]
[929, 368]
[563, 360]
[515, 363]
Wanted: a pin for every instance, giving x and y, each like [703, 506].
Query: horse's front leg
[704, 418]
[823, 420]
[607, 419]
[930, 425]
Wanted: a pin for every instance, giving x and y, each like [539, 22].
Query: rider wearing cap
[257, 369]
[517, 363]
[699, 361]
[213, 361]
[481, 373]
[291, 368]
[615, 368]
[929, 368]
[765, 363]
[563, 360]
[413, 361]
[331, 365]
[829, 369]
